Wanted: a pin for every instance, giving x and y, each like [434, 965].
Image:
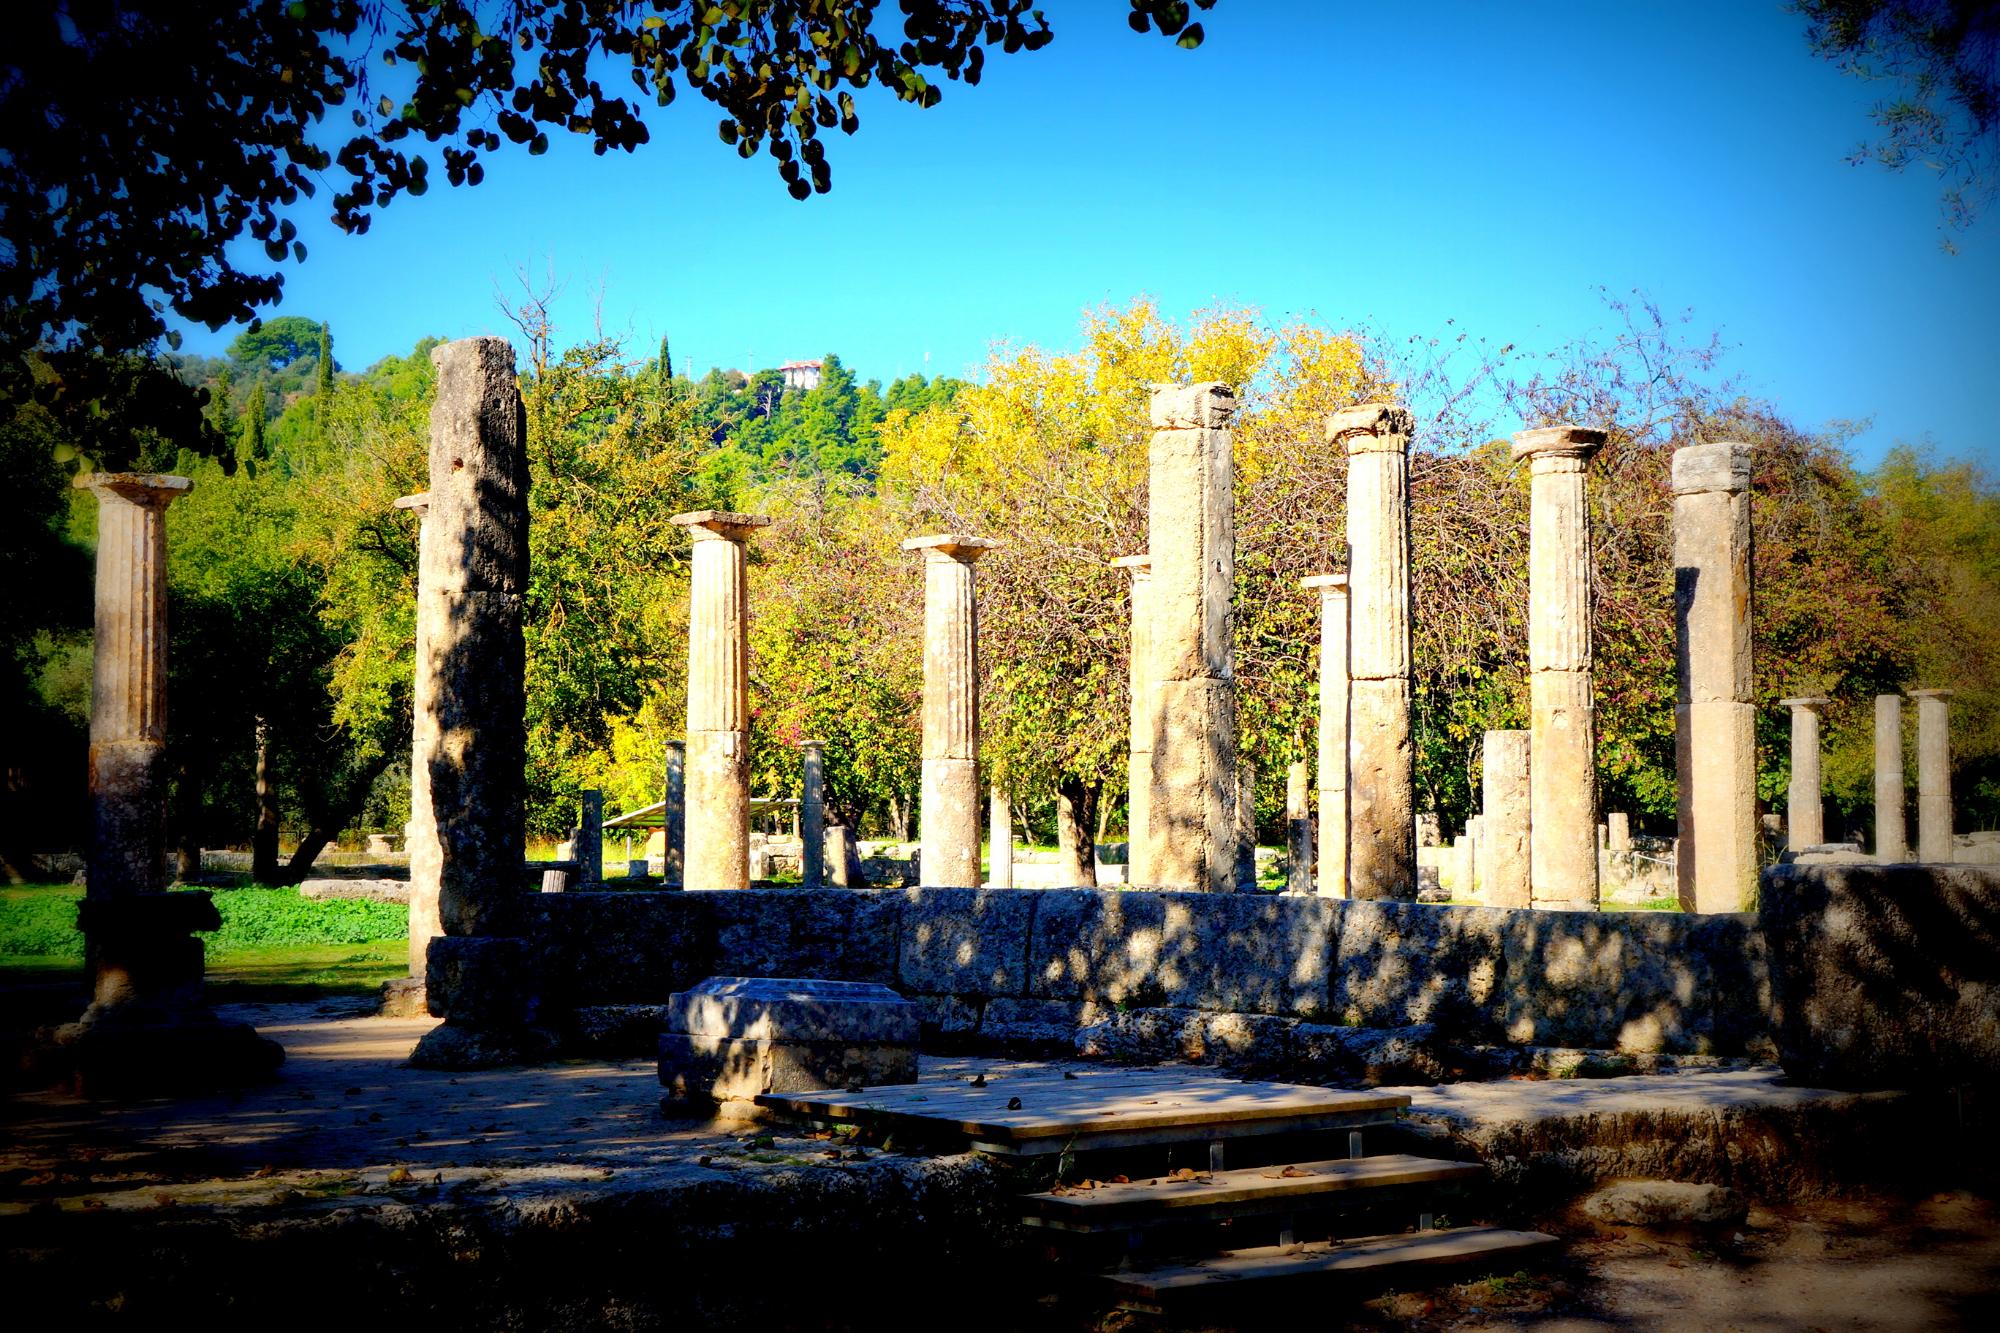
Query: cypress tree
[325, 373]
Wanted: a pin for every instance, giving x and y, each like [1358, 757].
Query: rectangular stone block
[711, 1069]
[1382, 843]
[971, 942]
[793, 1009]
[1715, 751]
[1191, 519]
[619, 948]
[1397, 964]
[1631, 981]
[1192, 808]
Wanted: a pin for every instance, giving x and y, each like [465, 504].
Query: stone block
[1630, 981]
[791, 1009]
[1666, 1203]
[1885, 976]
[950, 1022]
[971, 942]
[1206, 406]
[481, 981]
[620, 948]
[1035, 1027]
[1399, 964]
[700, 1070]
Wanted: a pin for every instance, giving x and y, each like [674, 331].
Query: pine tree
[325, 374]
[222, 407]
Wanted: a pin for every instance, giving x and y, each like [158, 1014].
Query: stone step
[1277, 1268]
[1246, 1192]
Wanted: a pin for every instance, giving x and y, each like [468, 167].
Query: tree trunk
[264, 843]
[1076, 822]
[327, 824]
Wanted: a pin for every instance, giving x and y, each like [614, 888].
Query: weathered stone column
[1618, 827]
[1892, 833]
[812, 815]
[1805, 815]
[1000, 839]
[420, 838]
[1506, 791]
[1246, 827]
[948, 819]
[146, 1028]
[1381, 773]
[474, 584]
[1475, 828]
[673, 818]
[1934, 775]
[1332, 868]
[1563, 839]
[1191, 526]
[1144, 721]
[1298, 829]
[718, 709]
[1715, 714]
[589, 848]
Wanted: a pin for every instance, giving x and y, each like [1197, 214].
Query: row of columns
[1805, 824]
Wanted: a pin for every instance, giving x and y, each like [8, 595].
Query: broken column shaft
[1331, 876]
[1934, 842]
[948, 819]
[812, 814]
[1892, 835]
[1805, 817]
[1506, 787]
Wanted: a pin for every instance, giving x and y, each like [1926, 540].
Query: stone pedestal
[1191, 525]
[731, 1038]
[718, 712]
[1892, 834]
[673, 818]
[1934, 775]
[1506, 791]
[1805, 817]
[1298, 829]
[1563, 839]
[472, 678]
[146, 1029]
[1332, 869]
[1715, 711]
[948, 818]
[1381, 768]
[1144, 720]
[1000, 839]
[812, 815]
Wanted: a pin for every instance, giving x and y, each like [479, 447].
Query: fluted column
[1000, 838]
[1563, 839]
[1805, 815]
[420, 837]
[1191, 536]
[1934, 775]
[1506, 791]
[1715, 713]
[1331, 872]
[1144, 720]
[718, 708]
[948, 819]
[1381, 771]
[1892, 834]
[673, 818]
[812, 815]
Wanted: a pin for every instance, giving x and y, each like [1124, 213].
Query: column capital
[720, 524]
[1553, 447]
[1807, 701]
[1140, 565]
[1371, 428]
[951, 546]
[812, 745]
[149, 490]
[420, 502]
[1328, 585]
[1930, 694]
[1209, 405]
[1702, 468]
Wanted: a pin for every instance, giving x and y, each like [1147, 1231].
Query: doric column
[812, 815]
[1144, 721]
[1715, 713]
[420, 838]
[1892, 834]
[1191, 536]
[1000, 838]
[1934, 775]
[948, 820]
[1563, 839]
[718, 708]
[1298, 829]
[1381, 773]
[1332, 868]
[1506, 791]
[1805, 818]
[673, 818]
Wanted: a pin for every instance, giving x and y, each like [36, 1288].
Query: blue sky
[1383, 166]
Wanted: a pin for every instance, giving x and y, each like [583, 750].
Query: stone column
[1332, 868]
[1892, 833]
[812, 815]
[1000, 839]
[1805, 816]
[1475, 828]
[948, 818]
[1506, 792]
[1144, 721]
[1381, 773]
[1246, 827]
[146, 1028]
[420, 838]
[1298, 829]
[590, 839]
[718, 710]
[1934, 775]
[1191, 526]
[1618, 827]
[673, 818]
[1715, 715]
[1563, 838]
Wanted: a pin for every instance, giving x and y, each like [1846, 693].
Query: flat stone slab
[794, 1009]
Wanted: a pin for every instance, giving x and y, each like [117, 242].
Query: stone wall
[1008, 966]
